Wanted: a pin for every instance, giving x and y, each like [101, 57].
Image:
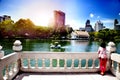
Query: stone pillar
[17, 47]
[1, 52]
[110, 49]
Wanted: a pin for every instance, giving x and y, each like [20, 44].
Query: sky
[77, 11]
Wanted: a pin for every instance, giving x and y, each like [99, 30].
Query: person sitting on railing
[102, 57]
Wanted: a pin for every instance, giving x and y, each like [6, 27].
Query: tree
[24, 28]
[6, 28]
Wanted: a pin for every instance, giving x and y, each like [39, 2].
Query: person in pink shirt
[102, 58]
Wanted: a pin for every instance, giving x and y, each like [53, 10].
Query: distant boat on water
[55, 45]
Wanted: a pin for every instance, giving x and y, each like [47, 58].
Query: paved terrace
[50, 65]
[65, 76]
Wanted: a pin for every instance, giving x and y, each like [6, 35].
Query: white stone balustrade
[12, 65]
[115, 65]
[9, 66]
[59, 56]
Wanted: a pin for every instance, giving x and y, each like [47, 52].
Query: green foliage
[25, 28]
[61, 32]
[106, 35]
[6, 28]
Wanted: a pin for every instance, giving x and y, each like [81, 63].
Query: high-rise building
[88, 27]
[99, 26]
[5, 17]
[116, 25]
[59, 18]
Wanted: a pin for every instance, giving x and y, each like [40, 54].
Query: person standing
[102, 58]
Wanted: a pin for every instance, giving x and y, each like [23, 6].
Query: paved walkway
[80, 76]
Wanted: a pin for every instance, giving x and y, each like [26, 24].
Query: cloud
[119, 13]
[91, 15]
[76, 24]
[98, 17]
[108, 21]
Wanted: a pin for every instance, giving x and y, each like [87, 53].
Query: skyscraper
[59, 19]
[88, 27]
[99, 26]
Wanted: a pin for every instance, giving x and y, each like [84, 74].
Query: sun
[41, 20]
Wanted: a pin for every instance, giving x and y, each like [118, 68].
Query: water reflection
[82, 46]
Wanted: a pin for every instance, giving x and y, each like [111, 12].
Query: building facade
[88, 26]
[5, 17]
[116, 25]
[82, 35]
[59, 18]
[99, 26]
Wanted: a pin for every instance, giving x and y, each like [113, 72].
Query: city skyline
[77, 11]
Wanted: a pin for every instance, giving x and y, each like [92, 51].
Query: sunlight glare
[42, 20]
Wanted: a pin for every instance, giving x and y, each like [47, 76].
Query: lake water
[44, 45]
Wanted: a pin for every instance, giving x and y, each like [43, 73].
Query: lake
[44, 45]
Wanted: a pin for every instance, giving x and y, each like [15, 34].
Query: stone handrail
[9, 66]
[115, 64]
[58, 56]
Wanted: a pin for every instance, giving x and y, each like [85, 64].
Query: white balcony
[40, 66]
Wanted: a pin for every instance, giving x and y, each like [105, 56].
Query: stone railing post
[1, 52]
[17, 47]
[110, 49]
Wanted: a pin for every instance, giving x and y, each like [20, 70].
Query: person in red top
[102, 57]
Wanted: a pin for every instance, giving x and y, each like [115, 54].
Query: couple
[102, 58]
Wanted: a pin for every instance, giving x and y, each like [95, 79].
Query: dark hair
[103, 44]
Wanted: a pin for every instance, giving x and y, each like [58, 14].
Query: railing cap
[17, 42]
[112, 44]
[1, 47]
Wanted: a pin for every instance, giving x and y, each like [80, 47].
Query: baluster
[15, 66]
[65, 65]
[11, 71]
[118, 67]
[22, 63]
[36, 63]
[14, 70]
[72, 66]
[93, 64]
[112, 64]
[43, 63]
[6, 73]
[51, 63]
[58, 63]
[86, 66]
[29, 66]
[79, 63]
